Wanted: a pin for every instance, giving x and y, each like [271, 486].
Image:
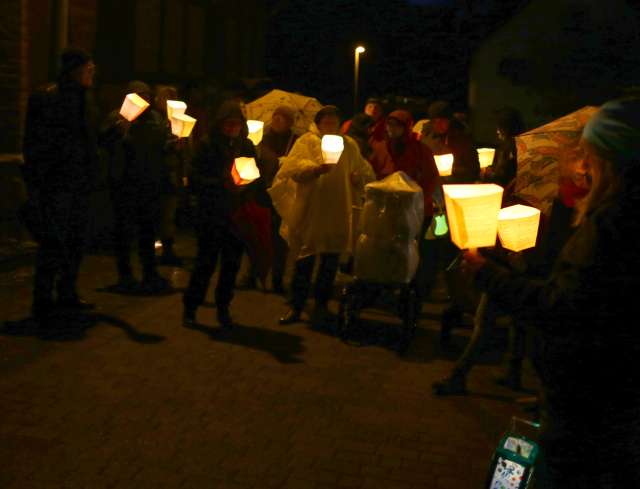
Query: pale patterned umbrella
[305, 108]
[545, 153]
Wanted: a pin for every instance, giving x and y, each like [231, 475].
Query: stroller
[385, 257]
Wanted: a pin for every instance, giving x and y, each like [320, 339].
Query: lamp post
[359, 50]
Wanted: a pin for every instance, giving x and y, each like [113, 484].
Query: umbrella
[305, 108]
[547, 153]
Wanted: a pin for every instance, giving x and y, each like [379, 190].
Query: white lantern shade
[244, 171]
[485, 155]
[472, 212]
[332, 148]
[182, 125]
[133, 106]
[518, 227]
[255, 131]
[444, 164]
[175, 107]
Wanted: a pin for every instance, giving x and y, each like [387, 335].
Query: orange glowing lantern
[175, 107]
[244, 171]
[182, 125]
[444, 164]
[518, 227]
[133, 106]
[472, 212]
[485, 155]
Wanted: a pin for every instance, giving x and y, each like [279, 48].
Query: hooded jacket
[218, 196]
[409, 156]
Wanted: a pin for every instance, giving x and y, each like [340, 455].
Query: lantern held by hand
[485, 155]
[175, 107]
[244, 171]
[181, 125]
[332, 148]
[133, 106]
[472, 213]
[518, 227]
[444, 164]
[255, 131]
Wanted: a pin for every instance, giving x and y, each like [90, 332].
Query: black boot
[189, 316]
[168, 255]
[291, 316]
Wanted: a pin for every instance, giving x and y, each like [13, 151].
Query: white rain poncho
[387, 251]
[317, 212]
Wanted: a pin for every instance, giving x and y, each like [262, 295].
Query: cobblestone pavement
[128, 398]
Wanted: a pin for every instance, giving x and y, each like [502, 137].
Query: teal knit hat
[615, 129]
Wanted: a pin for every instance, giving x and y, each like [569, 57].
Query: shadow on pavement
[284, 347]
[139, 292]
[63, 326]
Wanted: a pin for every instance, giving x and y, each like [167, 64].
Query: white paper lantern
[485, 155]
[444, 164]
[518, 227]
[244, 171]
[181, 125]
[132, 106]
[175, 107]
[472, 213]
[255, 131]
[332, 148]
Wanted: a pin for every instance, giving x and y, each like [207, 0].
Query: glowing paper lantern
[444, 164]
[332, 148]
[244, 171]
[175, 107]
[485, 155]
[255, 131]
[182, 124]
[472, 213]
[133, 106]
[518, 227]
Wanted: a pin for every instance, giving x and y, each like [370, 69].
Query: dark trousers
[280, 252]
[135, 213]
[213, 243]
[64, 218]
[427, 264]
[301, 283]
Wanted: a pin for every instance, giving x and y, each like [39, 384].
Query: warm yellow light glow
[255, 131]
[175, 107]
[133, 106]
[332, 148]
[472, 212]
[444, 164]
[518, 227]
[485, 155]
[244, 171]
[360, 50]
[181, 125]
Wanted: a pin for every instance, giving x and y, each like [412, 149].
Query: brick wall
[11, 74]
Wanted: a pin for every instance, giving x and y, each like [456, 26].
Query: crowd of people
[572, 293]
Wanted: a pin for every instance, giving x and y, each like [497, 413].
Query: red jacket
[415, 159]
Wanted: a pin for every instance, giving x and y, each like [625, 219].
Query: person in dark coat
[377, 130]
[591, 383]
[360, 131]
[137, 152]
[60, 155]
[218, 198]
[448, 135]
[505, 161]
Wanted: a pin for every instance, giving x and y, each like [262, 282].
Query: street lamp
[359, 50]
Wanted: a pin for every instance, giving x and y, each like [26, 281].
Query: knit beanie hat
[615, 129]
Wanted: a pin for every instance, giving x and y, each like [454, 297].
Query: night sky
[416, 48]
